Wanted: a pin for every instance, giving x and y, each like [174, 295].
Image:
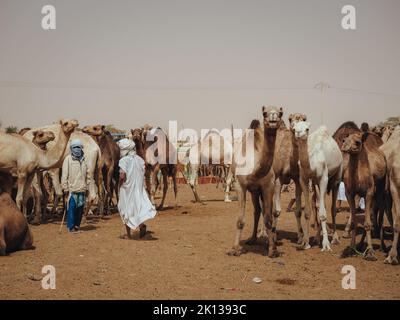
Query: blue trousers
[75, 212]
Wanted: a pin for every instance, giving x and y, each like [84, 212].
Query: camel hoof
[304, 246]
[251, 241]
[274, 254]
[346, 235]
[370, 255]
[35, 222]
[335, 240]
[235, 252]
[299, 240]
[228, 200]
[392, 260]
[348, 252]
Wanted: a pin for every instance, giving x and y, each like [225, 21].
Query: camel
[21, 156]
[364, 175]
[259, 181]
[110, 155]
[391, 151]
[321, 162]
[161, 147]
[92, 156]
[285, 167]
[40, 138]
[14, 229]
[373, 138]
[213, 150]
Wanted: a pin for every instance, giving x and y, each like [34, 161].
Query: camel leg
[315, 221]
[276, 203]
[241, 192]
[3, 245]
[193, 169]
[306, 238]
[392, 257]
[228, 185]
[300, 233]
[175, 183]
[37, 194]
[369, 203]
[255, 198]
[21, 180]
[58, 193]
[322, 211]
[335, 236]
[165, 188]
[268, 194]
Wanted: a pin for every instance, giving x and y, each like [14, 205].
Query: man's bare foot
[143, 230]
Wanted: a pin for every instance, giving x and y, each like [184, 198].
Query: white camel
[321, 162]
[92, 156]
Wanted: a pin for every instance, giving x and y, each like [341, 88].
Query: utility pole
[322, 86]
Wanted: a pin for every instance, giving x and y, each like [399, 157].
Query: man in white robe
[134, 204]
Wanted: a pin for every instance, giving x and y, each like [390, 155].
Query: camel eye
[358, 143]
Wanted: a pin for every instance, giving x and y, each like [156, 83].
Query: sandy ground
[185, 258]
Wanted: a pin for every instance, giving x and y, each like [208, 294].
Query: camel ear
[34, 133]
[280, 112]
[290, 118]
[304, 117]
[103, 128]
[263, 109]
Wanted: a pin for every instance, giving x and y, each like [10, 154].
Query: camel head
[41, 138]
[96, 130]
[137, 135]
[272, 117]
[68, 125]
[353, 142]
[301, 129]
[296, 117]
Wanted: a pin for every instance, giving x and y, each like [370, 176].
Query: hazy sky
[204, 63]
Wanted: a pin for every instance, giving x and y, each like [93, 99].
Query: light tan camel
[214, 150]
[392, 154]
[14, 230]
[321, 163]
[364, 175]
[92, 156]
[21, 156]
[259, 180]
[110, 155]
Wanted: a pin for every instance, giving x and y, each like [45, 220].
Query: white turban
[127, 147]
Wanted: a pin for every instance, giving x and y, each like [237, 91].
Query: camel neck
[53, 158]
[294, 157]
[302, 145]
[267, 154]
[358, 169]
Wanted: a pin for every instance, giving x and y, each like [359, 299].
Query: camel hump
[323, 130]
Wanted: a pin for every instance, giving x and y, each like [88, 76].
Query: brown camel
[374, 139]
[364, 175]
[110, 155]
[257, 177]
[285, 167]
[14, 230]
[153, 145]
[21, 156]
[391, 150]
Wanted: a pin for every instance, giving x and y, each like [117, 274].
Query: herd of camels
[366, 160]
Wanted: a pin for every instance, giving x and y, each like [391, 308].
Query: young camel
[110, 155]
[259, 178]
[364, 175]
[19, 155]
[321, 162]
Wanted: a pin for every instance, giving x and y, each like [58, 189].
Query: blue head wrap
[76, 147]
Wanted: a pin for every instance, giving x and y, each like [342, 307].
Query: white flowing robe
[134, 204]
